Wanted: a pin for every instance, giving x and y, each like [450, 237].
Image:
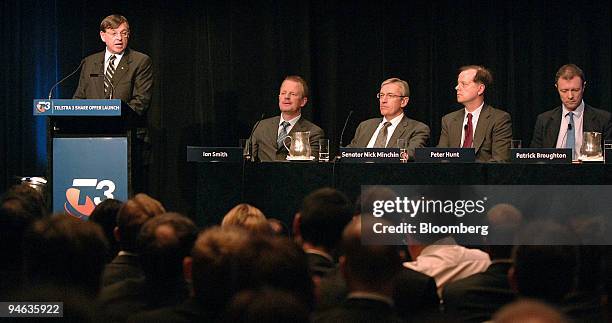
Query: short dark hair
[324, 214]
[483, 75]
[569, 71]
[132, 215]
[113, 22]
[105, 214]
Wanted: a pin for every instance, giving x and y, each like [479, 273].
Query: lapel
[456, 127]
[398, 132]
[482, 126]
[589, 120]
[98, 82]
[122, 68]
[554, 124]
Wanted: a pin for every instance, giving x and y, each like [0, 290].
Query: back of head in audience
[105, 214]
[324, 214]
[368, 268]
[528, 311]
[65, 251]
[544, 262]
[266, 306]
[162, 244]
[248, 217]
[131, 216]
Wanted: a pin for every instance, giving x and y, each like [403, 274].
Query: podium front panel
[87, 171]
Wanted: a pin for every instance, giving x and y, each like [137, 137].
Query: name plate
[70, 107]
[214, 154]
[370, 155]
[444, 155]
[541, 155]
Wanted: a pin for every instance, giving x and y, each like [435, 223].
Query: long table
[277, 188]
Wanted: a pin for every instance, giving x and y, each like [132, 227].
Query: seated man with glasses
[119, 72]
[269, 135]
[384, 132]
[477, 125]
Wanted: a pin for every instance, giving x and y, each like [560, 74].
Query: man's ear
[187, 268]
[512, 279]
[297, 222]
[116, 234]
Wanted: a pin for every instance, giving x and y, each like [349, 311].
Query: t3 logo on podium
[87, 171]
[80, 204]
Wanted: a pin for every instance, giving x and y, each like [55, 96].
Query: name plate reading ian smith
[444, 155]
[541, 155]
[370, 155]
[214, 154]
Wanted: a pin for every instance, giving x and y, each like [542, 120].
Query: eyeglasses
[291, 94]
[123, 34]
[389, 96]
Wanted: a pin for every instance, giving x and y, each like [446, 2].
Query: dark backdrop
[219, 64]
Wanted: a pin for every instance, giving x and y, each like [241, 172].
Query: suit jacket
[319, 265]
[265, 135]
[548, 125]
[416, 134]
[354, 310]
[133, 79]
[476, 298]
[121, 268]
[491, 138]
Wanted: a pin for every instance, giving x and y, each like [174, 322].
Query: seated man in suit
[267, 139]
[384, 132]
[562, 127]
[477, 125]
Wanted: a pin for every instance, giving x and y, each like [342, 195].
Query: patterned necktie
[108, 76]
[283, 134]
[469, 133]
[381, 139]
[570, 142]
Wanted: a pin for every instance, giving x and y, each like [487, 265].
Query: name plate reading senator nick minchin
[370, 155]
[214, 154]
[444, 155]
[541, 155]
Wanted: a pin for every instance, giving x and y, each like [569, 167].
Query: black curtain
[218, 65]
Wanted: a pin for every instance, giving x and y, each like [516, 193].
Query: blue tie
[283, 134]
[570, 142]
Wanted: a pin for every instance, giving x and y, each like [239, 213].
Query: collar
[475, 113]
[320, 253]
[440, 244]
[108, 54]
[292, 121]
[578, 112]
[372, 296]
[393, 121]
[126, 253]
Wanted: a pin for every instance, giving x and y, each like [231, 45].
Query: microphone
[112, 91]
[65, 78]
[250, 148]
[344, 128]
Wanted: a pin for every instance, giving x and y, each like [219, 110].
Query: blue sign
[68, 107]
[87, 171]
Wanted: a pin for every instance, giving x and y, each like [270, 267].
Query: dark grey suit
[548, 125]
[133, 79]
[491, 138]
[265, 136]
[416, 134]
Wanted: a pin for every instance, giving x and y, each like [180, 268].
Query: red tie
[469, 137]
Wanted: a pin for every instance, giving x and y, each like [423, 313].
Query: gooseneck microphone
[250, 150]
[65, 78]
[344, 128]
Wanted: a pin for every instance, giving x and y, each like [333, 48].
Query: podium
[89, 148]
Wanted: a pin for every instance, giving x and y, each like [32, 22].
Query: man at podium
[119, 72]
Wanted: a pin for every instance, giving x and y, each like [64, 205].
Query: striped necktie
[108, 76]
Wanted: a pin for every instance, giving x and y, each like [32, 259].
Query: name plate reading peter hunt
[214, 154]
[69, 107]
[541, 155]
[444, 155]
[370, 155]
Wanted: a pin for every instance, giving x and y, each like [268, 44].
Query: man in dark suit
[553, 127]
[267, 139]
[477, 125]
[384, 132]
[119, 72]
